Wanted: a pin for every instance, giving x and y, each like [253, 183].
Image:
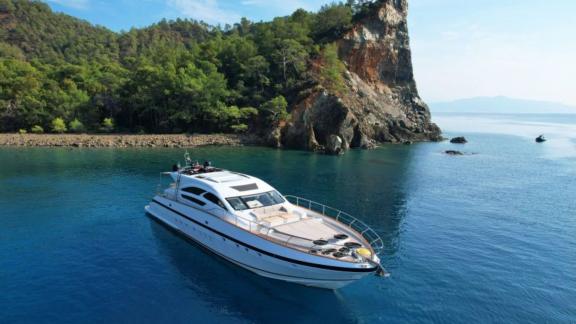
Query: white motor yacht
[247, 222]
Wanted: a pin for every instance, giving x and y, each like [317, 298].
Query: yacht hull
[255, 253]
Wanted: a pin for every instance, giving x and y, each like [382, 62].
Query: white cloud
[284, 5]
[74, 4]
[206, 10]
[221, 11]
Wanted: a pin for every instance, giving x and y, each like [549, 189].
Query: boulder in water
[453, 152]
[459, 140]
[334, 145]
[540, 139]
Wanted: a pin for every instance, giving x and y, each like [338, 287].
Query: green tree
[291, 57]
[173, 76]
[107, 125]
[58, 125]
[239, 128]
[275, 109]
[9, 51]
[257, 71]
[20, 89]
[332, 69]
[37, 129]
[76, 126]
[332, 20]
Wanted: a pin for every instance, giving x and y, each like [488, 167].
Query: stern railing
[352, 222]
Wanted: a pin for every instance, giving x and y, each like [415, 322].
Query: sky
[460, 49]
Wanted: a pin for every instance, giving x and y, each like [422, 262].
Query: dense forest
[62, 74]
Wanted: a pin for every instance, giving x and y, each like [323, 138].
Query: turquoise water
[486, 237]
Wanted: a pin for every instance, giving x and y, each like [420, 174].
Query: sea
[486, 237]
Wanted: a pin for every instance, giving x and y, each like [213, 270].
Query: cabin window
[194, 190]
[247, 187]
[256, 201]
[213, 199]
[194, 200]
[237, 203]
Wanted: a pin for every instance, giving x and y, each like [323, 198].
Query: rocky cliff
[379, 101]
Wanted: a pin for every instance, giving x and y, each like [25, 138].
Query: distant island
[501, 105]
[325, 81]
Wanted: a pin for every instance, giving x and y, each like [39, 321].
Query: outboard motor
[175, 168]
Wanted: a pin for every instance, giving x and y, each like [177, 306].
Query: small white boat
[247, 222]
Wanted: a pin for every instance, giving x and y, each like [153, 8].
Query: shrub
[58, 125]
[37, 129]
[22, 131]
[331, 21]
[76, 126]
[275, 109]
[333, 69]
[107, 125]
[240, 128]
[248, 112]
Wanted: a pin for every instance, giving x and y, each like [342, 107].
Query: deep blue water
[486, 237]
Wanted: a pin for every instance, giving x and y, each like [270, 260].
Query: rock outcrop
[379, 102]
[459, 140]
[453, 152]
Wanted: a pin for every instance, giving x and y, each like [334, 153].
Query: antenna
[187, 159]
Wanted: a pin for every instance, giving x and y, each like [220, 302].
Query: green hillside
[173, 76]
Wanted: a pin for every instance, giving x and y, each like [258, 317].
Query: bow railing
[354, 223]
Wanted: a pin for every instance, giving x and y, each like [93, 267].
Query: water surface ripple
[489, 237]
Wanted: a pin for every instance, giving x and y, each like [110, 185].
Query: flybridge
[223, 176]
[221, 182]
[207, 172]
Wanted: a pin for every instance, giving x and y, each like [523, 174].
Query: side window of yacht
[277, 197]
[237, 203]
[194, 190]
[212, 198]
[194, 200]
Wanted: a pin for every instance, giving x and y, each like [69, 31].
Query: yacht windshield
[256, 201]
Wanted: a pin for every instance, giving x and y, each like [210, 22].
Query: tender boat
[249, 223]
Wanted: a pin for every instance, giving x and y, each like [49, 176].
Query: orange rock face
[380, 102]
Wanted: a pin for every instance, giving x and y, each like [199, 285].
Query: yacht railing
[357, 225]
[303, 244]
[262, 229]
[257, 227]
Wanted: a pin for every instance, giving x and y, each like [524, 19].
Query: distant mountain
[502, 105]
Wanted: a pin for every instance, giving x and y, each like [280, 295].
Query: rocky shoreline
[124, 141]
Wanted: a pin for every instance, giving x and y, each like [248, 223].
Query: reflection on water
[371, 186]
[239, 292]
